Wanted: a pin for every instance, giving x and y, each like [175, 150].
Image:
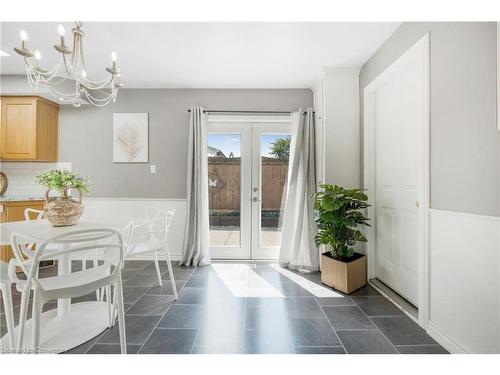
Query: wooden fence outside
[224, 182]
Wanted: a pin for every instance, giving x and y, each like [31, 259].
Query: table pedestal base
[61, 333]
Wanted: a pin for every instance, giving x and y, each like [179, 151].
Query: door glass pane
[275, 151]
[224, 172]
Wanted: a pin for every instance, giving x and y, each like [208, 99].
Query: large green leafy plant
[339, 216]
[60, 180]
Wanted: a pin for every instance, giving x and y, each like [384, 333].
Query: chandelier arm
[97, 85]
[32, 67]
[108, 96]
[90, 96]
[66, 66]
[42, 76]
[82, 56]
[52, 80]
[99, 103]
[73, 53]
[93, 85]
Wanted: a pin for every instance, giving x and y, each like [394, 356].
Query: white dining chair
[70, 285]
[151, 237]
[89, 215]
[5, 288]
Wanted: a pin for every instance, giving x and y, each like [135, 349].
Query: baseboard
[444, 340]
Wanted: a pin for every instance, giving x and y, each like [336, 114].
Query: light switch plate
[153, 169]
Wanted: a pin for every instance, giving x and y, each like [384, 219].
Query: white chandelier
[72, 69]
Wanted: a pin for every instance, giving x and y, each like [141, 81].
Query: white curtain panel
[195, 251]
[298, 250]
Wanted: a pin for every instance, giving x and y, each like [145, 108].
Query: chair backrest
[38, 214]
[155, 226]
[154, 212]
[170, 217]
[107, 239]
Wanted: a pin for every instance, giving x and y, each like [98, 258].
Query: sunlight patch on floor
[316, 289]
[243, 281]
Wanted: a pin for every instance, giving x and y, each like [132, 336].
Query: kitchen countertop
[18, 198]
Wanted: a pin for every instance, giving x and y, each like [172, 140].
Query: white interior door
[247, 188]
[398, 104]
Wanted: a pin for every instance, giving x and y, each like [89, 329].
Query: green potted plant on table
[339, 216]
[63, 210]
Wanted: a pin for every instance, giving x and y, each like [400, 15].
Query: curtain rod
[254, 112]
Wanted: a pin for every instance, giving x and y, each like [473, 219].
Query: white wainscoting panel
[464, 313]
[135, 208]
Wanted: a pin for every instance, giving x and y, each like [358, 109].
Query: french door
[247, 184]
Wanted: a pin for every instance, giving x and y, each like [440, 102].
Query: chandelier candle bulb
[61, 30]
[23, 51]
[23, 35]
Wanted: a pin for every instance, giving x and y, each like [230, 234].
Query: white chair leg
[108, 300]
[121, 314]
[35, 322]
[98, 292]
[22, 318]
[9, 315]
[157, 266]
[113, 308]
[171, 272]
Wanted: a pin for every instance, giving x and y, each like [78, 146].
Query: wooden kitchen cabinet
[14, 211]
[29, 128]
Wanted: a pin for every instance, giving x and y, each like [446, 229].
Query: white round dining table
[71, 324]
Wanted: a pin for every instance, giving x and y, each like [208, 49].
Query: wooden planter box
[345, 276]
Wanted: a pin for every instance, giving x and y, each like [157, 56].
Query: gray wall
[465, 145]
[86, 136]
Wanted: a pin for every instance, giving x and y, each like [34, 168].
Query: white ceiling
[208, 55]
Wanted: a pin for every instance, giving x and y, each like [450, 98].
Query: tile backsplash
[21, 177]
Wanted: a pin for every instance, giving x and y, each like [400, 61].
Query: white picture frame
[130, 138]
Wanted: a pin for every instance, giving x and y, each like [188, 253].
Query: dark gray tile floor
[251, 310]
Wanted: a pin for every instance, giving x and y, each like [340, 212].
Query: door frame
[216, 124]
[420, 54]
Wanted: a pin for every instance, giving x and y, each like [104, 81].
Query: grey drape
[195, 251]
[298, 250]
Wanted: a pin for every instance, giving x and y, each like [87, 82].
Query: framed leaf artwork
[130, 138]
